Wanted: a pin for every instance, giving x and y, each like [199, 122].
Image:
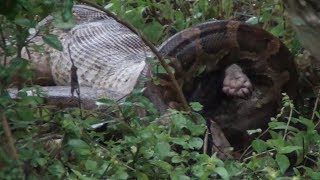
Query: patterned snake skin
[109, 57]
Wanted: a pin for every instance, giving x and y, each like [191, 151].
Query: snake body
[111, 58]
[108, 56]
[201, 53]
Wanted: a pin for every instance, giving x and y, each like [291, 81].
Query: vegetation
[43, 142]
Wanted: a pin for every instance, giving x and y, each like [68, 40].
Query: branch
[178, 90]
[7, 132]
[75, 86]
[4, 48]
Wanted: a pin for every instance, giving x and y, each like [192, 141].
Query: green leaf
[25, 114]
[265, 17]
[53, 41]
[141, 176]
[278, 30]
[313, 174]
[79, 146]
[227, 7]
[278, 143]
[61, 23]
[234, 168]
[108, 6]
[78, 143]
[259, 145]
[253, 20]
[275, 124]
[275, 135]
[31, 97]
[195, 143]
[153, 31]
[79, 175]
[120, 174]
[307, 122]
[199, 171]
[70, 126]
[24, 22]
[290, 128]
[19, 64]
[196, 106]
[296, 172]
[288, 149]
[91, 165]
[106, 102]
[164, 165]
[195, 129]
[222, 172]
[283, 162]
[178, 120]
[57, 169]
[176, 159]
[67, 11]
[176, 175]
[41, 161]
[162, 149]
[181, 140]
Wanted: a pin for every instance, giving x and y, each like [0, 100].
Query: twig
[262, 153]
[312, 160]
[4, 47]
[152, 48]
[74, 82]
[248, 148]
[315, 106]
[20, 41]
[105, 171]
[205, 141]
[31, 38]
[7, 132]
[50, 137]
[288, 123]
[125, 119]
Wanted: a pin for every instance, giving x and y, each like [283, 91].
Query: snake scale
[111, 60]
[213, 47]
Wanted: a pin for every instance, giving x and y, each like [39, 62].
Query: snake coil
[110, 57]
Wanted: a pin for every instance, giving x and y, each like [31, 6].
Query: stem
[4, 47]
[20, 42]
[75, 86]
[125, 119]
[265, 152]
[288, 123]
[10, 139]
[315, 106]
[248, 148]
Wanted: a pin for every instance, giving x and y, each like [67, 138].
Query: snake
[207, 55]
[237, 71]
